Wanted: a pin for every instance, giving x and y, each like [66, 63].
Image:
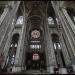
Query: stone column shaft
[6, 23]
[19, 60]
[67, 31]
[64, 50]
[3, 16]
[52, 54]
[8, 30]
[71, 24]
[50, 57]
[6, 9]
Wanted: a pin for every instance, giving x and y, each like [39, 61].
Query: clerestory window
[20, 20]
[50, 20]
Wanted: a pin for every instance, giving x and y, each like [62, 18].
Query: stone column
[63, 71]
[68, 32]
[5, 40]
[73, 68]
[50, 57]
[64, 49]
[70, 22]
[70, 26]
[6, 22]
[24, 43]
[53, 59]
[6, 9]
[51, 69]
[20, 49]
[69, 35]
[3, 16]
[7, 45]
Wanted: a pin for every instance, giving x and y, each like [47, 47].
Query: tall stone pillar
[70, 37]
[64, 49]
[20, 53]
[50, 57]
[23, 63]
[68, 32]
[3, 16]
[7, 33]
[71, 27]
[6, 9]
[52, 54]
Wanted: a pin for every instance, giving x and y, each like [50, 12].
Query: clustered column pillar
[7, 24]
[50, 56]
[20, 53]
[68, 29]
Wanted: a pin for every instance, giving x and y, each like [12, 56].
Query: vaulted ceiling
[35, 7]
[35, 11]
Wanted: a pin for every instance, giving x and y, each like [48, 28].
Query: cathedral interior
[37, 37]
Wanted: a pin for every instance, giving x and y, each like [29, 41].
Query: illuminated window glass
[57, 20]
[32, 46]
[35, 56]
[13, 59]
[20, 20]
[50, 20]
[35, 41]
[35, 34]
[35, 46]
[74, 18]
[59, 47]
[13, 21]
[54, 46]
[15, 45]
[11, 45]
[12, 50]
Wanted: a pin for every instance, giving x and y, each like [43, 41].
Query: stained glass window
[35, 34]
[74, 18]
[35, 46]
[20, 20]
[35, 56]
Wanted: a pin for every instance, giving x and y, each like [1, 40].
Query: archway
[35, 55]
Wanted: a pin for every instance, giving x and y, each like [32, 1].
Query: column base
[73, 68]
[63, 71]
[51, 70]
[16, 69]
